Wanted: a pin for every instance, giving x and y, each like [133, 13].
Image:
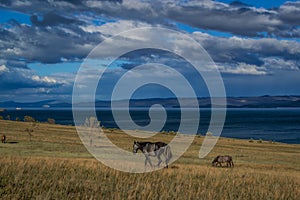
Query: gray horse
[153, 149]
[223, 159]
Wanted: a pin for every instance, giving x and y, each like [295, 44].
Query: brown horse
[3, 139]
[223, 159]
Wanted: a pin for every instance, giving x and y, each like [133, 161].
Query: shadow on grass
[12, 142]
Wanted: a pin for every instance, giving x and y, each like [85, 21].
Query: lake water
[282, 125]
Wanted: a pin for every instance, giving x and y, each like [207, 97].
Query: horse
[223, 159]
[3, 139]
[153, 149]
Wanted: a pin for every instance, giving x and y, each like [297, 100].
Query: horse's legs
[148, 158]
[232, 164]
[159, 160]
[161, 151]
[168, 156]
[167, 161]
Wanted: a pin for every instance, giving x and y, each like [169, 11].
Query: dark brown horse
[3, 139]
[223, 159]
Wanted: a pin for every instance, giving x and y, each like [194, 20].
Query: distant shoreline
[203, 102]
[146, 108]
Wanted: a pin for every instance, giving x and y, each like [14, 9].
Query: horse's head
[215, 161]
[136, 147]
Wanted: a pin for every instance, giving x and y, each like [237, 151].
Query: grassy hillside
[55, 165]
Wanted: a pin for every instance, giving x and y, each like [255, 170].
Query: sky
[255, 45]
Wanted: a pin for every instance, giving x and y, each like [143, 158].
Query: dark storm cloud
[290, 13]
[250, 51]
[16, 64]
[213, 15]
[50, 19]
[242, 21]
[46, 44]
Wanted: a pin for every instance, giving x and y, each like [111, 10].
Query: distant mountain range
[232, 102]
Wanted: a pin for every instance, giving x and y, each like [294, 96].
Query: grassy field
[55, 165]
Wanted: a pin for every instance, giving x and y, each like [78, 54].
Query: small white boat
[18, 108]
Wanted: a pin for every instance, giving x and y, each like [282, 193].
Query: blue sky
[255, 44]
[7, 15]
[260, 3]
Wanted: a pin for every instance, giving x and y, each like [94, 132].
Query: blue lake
[281, 125]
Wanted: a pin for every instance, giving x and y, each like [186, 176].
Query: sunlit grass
[55, 165]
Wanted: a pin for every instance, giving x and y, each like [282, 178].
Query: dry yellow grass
[55, 165]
